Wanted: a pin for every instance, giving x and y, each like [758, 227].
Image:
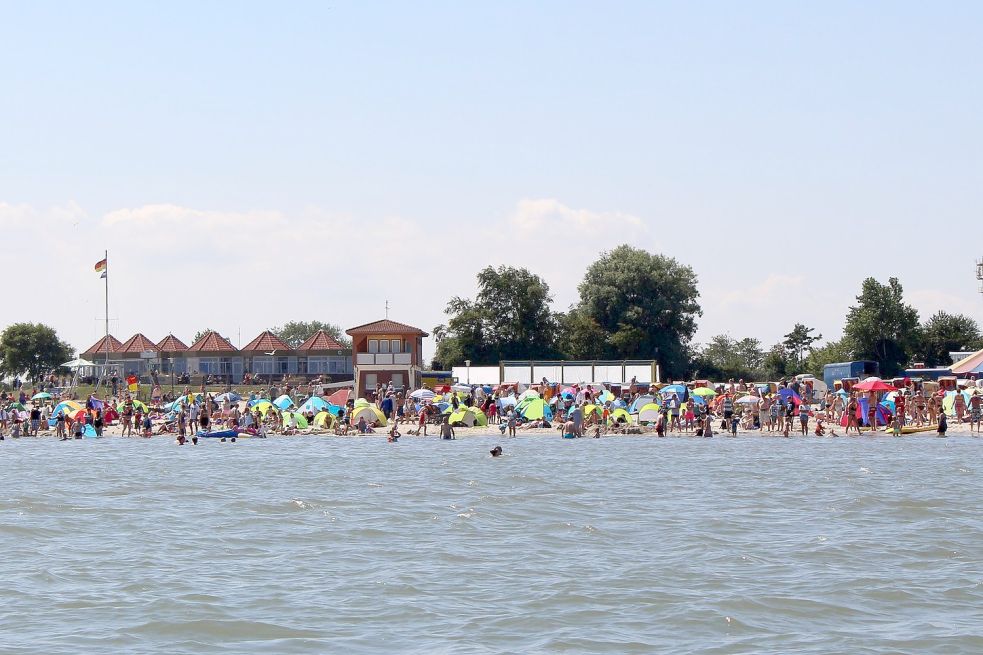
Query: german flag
[101, 266]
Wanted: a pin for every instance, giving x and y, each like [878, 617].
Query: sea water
[615, 545]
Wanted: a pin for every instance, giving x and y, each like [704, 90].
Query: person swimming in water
[496, 451]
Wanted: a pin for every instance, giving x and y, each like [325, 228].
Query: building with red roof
[97, 351]
[321, 354]
[212, 354]
[138, 355]
[385, 352]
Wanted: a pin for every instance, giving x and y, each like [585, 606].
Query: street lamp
[467, 363]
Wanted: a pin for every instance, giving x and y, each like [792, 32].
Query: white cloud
[551, 214]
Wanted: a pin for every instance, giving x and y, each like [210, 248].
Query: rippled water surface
[620, 545]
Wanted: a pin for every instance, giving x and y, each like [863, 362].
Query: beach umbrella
[874, 384]
[80, 415]
[258, 401]
[371, 413]
[17, 406]
[648, 413]
[314, 404]
[422, 394]
[466, 388]
[704, 392]
[230, 396]
[324, 419]
[136, 405]
[677, 389]
[77, 363]
[747, 400]
[301, 419]
[44, 395]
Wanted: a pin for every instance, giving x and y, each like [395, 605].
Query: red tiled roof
[266, 342]
[171, 344]
[321, 340]
[386, 327]
[138, 344]
[100, 346]
[212, 342]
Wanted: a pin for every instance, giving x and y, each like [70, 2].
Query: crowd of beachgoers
[786, 408]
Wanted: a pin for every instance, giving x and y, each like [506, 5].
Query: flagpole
[105, 275]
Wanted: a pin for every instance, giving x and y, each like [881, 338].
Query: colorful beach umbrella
[874, 384]
[44, 395]
[704, 392]
[136, 405]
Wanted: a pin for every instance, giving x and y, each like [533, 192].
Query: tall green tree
[881, 327]
[295, 333]
[799, 342]
[31, 348]
[644, 304]
[510, 318]
[944, 333]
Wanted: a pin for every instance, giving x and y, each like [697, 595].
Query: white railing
[384, 359]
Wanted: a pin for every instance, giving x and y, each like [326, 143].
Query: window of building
[373, 346]
[397, 345]
[371, 379]
[384, 346]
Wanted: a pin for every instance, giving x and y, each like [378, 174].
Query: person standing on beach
[674, 413]
[852, 407]
[959, 406]
[899, 408]
[975, 410]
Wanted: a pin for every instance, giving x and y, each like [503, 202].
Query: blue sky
[268, 162]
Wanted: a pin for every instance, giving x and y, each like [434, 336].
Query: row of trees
[638, 305]
[879, 327]
[633, 305]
